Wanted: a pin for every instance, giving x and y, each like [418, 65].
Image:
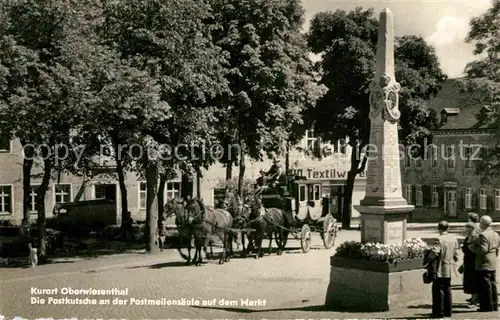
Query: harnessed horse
[269, 221]
[176, 206]
[208, 221]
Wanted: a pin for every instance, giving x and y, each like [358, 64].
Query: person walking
[486, 247]
[441, 287]
[468, 266]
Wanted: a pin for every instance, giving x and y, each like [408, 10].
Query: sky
[444, 24]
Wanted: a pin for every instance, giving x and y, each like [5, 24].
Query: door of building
[451, 203]
[336, 201]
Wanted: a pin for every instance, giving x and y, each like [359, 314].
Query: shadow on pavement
[317, 308]
[166, 265]
[244, 310]
[25, 265]
[418, 316]
[429, 306]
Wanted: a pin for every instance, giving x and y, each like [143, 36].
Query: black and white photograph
[249, 159]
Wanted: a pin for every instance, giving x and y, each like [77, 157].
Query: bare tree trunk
[27, 166]
[287, 160]
[198, 182]
[241, 174]
[351, 177]
[161, 196]
[151, 207]
[40, 203]
[347, 206]
[229, 171]
[123, 189]
[186, 186]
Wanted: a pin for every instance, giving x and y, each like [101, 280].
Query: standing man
[441, 287]
[486, 247]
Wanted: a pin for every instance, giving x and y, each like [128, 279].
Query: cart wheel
[305, 238]
[329, 231]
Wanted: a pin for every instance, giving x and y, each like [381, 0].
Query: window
[468, 198]
[33, 191]
[317, 192]
[4, 143]
[435, 196]
[433, 156]
[173, 190]
[5, 199]
[482, 199]
[418, 162]
[218, 195]
[142, 196]
[407, 158]
[62, 193]
[420, 196]
[497, 199]
[450, 156]
[311, 140]
[343, 146]
[340, 146]
[408, 193]
[302, 193]
[467, 157]
[100, 191]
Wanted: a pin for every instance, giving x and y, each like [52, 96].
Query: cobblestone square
[291, 286]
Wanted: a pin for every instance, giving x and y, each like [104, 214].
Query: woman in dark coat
[469, 263]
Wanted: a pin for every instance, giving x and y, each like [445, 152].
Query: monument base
[384, 224]
[374, 286]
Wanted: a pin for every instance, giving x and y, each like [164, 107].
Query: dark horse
[240, 211]
[184, 228]
[208, 221]
[269, 221]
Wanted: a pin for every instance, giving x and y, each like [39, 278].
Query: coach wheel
[305, 238]
[329, 231]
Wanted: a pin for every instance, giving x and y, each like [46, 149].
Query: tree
[44, 52]
[171, 42]
[482, 82]
[347, 44]
[270, 76]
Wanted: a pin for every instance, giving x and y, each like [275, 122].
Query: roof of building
[450, 102]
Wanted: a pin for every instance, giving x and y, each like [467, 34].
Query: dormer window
[446, 113]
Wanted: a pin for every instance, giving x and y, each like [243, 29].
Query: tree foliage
[170, 43]
[482, 82]
[271, 78]
[44, 51]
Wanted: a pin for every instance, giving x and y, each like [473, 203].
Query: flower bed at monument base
[373, 277]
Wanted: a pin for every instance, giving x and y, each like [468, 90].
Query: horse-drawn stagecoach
[304, 200]
[293, 205]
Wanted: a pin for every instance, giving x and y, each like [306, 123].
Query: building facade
[443, 184]
[67, 188]
[331, 171]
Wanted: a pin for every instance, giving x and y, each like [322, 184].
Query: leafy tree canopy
[482, 82]
[347, 44]
[270, 75]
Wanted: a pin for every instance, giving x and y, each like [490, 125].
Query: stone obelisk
[384, 210]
